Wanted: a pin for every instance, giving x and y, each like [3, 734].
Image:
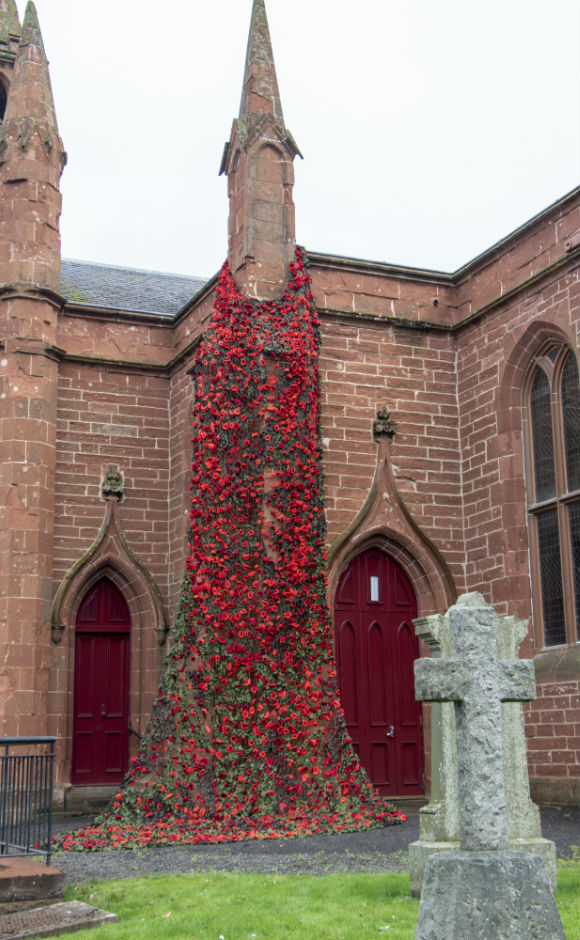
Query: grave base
[421, 850]
[501, 895]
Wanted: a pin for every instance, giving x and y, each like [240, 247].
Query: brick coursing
[100, 422]
[553, 730]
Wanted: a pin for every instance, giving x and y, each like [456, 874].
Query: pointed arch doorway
[101, 687]
[375, 649]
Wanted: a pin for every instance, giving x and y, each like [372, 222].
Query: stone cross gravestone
[439, 820]
[484, 891]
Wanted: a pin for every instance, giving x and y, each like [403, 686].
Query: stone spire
[9, 36]
[258, 162]
[260, 89]
[31, 152]
[30, 92]
[9, 22]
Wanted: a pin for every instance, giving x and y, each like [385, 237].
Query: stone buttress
[31, 163]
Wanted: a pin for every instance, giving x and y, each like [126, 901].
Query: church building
[450, 433]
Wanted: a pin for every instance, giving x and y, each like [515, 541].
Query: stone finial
[383, 425]
[30, 97]
[113, 484]
[260, 89]
[9, 22]
[32, 158]
[31, 35]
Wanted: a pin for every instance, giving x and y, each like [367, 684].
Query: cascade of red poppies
[247, 737]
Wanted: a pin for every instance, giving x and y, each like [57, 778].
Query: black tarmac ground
[377, 850]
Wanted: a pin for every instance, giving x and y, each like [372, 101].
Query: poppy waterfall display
[247, 736]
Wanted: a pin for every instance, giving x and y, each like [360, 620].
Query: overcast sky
[430, 128]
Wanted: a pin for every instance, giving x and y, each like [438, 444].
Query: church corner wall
[31, 163]
[443, 371]
[540, 297]
[372, 358]
[116, 418]
[187, 334]
[124, 401]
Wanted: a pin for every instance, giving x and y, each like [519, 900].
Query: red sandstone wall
[456, 457]
[492, 356]
[493, 478]
[485, 541]
[517, 259]
[187, 333]
[105, 418]
[364, 366]
[109, 417]
[394, 293]
[138, 419]
[553, 739]
[383, 291]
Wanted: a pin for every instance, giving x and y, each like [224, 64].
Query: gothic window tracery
[553, 494]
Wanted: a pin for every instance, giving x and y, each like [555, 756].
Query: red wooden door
[101, 689]
[375, 649]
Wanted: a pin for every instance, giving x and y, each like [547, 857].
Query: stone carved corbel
[113, 484]
[56, 632]
[383, 425]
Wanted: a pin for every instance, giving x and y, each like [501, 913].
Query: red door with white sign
[101, 688]
[375, 650]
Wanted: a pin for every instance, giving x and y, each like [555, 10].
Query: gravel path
[380, 850]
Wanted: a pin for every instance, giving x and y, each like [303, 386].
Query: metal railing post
[26, 789]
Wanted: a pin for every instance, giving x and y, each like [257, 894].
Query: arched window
[553, 491]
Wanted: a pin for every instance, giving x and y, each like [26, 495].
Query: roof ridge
[121, 267]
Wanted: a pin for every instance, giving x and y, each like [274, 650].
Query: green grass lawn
[274, 907]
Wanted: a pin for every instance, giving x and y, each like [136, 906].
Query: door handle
[391, 732]
[103, 712]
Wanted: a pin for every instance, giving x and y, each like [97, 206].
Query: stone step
[62, 917]
[27, 879]
[88, 799]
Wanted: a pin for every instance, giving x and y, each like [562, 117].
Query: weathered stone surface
[487, 896]
[439, 820]
[487, 891]
[258, 162]
[477, 681]
[23, 879]
[64, 917]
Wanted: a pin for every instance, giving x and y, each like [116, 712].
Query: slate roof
[131, 289]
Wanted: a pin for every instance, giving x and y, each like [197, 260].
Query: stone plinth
[439, 820]
[487, 896]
